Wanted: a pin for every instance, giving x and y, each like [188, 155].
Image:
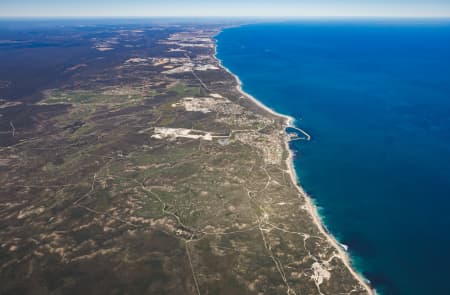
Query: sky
[236, 8]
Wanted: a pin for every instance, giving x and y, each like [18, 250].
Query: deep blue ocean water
[375, 96]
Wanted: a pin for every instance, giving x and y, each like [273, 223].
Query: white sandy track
[310, 207]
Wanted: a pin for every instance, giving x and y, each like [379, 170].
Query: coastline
[311, 207]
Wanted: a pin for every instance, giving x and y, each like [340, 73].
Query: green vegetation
[182, 90]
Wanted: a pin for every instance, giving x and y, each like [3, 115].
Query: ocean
[375, 97]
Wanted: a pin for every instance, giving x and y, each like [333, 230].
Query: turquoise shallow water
[375, 96]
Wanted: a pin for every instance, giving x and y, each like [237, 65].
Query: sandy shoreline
[311, 207]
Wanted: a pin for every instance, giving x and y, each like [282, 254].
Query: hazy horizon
[230, 8]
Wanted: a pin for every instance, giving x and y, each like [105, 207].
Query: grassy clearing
[183, 90]
[89, 97]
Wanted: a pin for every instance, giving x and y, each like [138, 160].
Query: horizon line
[225, 16]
